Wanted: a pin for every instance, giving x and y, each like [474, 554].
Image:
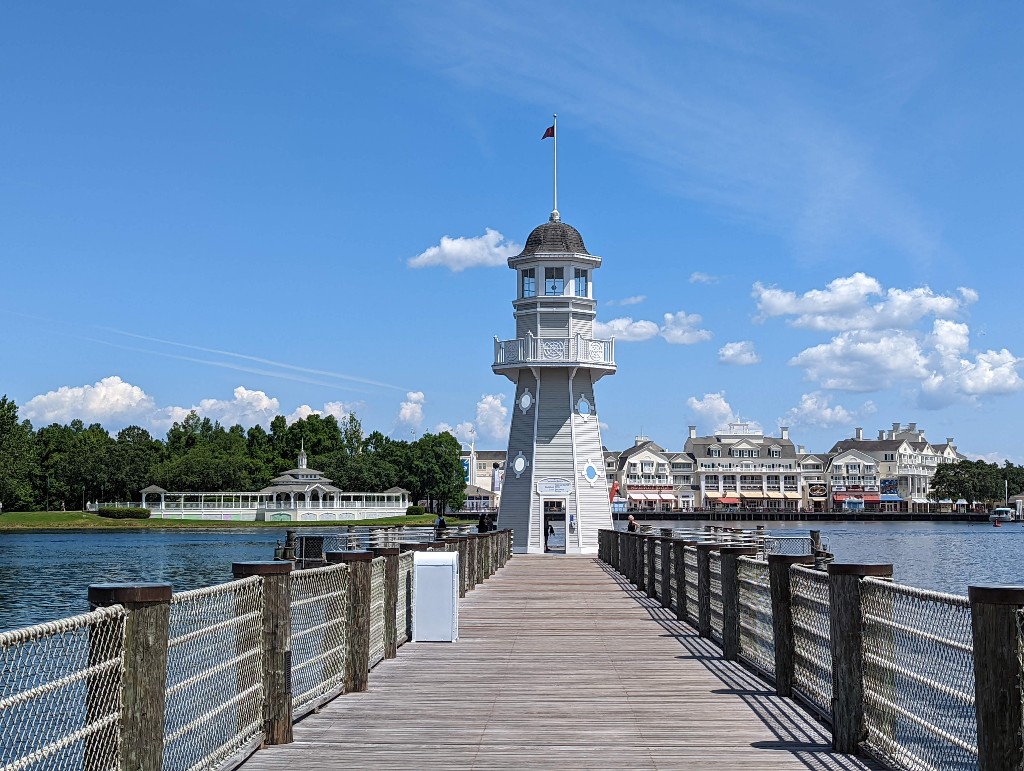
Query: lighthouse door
[554, 524]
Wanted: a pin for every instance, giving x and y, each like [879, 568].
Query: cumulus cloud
[683, 329]
[247, 408]
[338, 410]
[464, 432]
[491, 421]
[626, 330]
[815, 410]
[698, 277]
[634, 300]
[490, 250]
[714, 409]
[108, 400]
[846, 304]
[410, 412]
[864, 361]
[740, 353]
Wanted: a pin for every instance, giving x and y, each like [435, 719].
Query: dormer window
[529, 282]
[714, 452]
[554, 282]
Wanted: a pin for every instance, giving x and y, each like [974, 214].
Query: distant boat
[1002, 515]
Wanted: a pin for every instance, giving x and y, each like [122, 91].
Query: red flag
[550, 133]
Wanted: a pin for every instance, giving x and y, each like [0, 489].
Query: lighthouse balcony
[554, 351]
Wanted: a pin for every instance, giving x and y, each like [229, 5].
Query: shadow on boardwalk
[561, 664]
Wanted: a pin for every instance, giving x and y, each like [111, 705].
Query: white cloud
[492, 416]
[844, 304]
[815, 410]
[740, 353]
[247, 408]
[864, 361]
[339, 410]
[109, 399]
[626, 330]
[490, 250]
[681, 329]
[464, 432]
[410, 412]
[714, 409]
[698, 277]
[634, 300]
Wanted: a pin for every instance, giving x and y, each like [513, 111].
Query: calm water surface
[44, 576]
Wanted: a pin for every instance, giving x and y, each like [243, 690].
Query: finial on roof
[302, 453]
[555, 216]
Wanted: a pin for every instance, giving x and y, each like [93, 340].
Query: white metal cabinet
[435, 596]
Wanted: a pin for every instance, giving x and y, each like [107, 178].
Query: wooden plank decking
[560, 665]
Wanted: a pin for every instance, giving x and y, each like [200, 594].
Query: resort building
[648, 478]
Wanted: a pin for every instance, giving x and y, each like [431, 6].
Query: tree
[133, 457]
[437, 460]
[17, 458]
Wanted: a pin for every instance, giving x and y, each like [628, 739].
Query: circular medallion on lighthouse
[590, 472]
[583, 407]
[519, 464]
[526, 400]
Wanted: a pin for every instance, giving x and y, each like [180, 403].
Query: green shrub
[415, 511]
[113, 513]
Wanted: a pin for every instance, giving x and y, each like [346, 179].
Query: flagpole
[554, 213]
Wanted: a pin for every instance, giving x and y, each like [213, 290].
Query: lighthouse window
[581, 282]
[530, 282]
[554, 281]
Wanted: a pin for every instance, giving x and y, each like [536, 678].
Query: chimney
[859, 434]
[949, 440]
[693, 432]
[784, 430]
[881, 434]
[911, 427]
[895, 429]
[800, 450]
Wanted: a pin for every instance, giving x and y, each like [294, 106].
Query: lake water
[44, 576]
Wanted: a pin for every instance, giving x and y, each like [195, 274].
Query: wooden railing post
[704, 587]
[679, 566]
[277, 645]
[390, 555]
[665, 592]
[782, 617]
[845, 627]
[651, 543]
[460, 543]
[997, 678]
[357, 628]
[143, 678]
[731, 598]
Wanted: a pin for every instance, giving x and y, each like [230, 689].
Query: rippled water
[944, 556]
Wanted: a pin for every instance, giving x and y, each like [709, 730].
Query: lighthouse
[554, 468]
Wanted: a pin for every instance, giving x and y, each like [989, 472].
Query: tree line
[976, 481]
[65, 466]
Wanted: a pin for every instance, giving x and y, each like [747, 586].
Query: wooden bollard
[704, 587]
[390, 555]
[665, 592]
[458, 543]
[997, 685]
[143, 681]
[731, 598]
[277, 645]
[651, 544]
[782, 617]
[679, 567]
[357, 628]
[845, 629]
[404, 546]
[473, 571]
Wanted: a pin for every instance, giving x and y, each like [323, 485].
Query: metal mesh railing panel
[656, 545]
[794, 545]
[918, 676]
[757, 636]
[60, 689]
[715, 586]
[319, 608]
[812, 651]
[402, 615]
[672, 577]
[214, 674]
[690, 558]
[376, 611]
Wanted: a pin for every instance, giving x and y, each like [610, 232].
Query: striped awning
[772, 494]
[793, 496]
[712, 494]
[729, 500]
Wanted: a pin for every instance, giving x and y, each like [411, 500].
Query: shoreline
[796, 516]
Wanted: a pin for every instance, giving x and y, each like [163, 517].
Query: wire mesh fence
[795, 545]
[812, 651]
[757, 636]
[376, 611]
[715, 591]
[403, 615]
[918, 676]
[656, 546]
[690, 558]
[214, 697]
[60, 687]
[319, 608]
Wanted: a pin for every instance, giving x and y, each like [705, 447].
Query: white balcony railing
[554, 350]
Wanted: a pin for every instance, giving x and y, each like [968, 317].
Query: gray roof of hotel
[866, 445]
[554, 237]
[698, 447]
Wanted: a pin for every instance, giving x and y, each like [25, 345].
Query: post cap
[852, 569]
[437, 544]
[711, 546]
[414, 546]
[790, 559]
[686, 541]
[996, 595]
[352, 555]
[740, 551]
[101, 595]
[266, 568]
[385, 551]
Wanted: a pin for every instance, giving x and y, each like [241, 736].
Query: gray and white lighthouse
[554, 470]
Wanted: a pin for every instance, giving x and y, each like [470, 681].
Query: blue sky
[809, 214]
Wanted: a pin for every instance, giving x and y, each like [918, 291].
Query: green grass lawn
[79, 520]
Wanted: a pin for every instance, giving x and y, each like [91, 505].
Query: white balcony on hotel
[533, 351]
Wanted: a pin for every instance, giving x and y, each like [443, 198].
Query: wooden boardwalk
[560, 665]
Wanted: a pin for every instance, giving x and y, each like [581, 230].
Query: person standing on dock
[439, 527]
[631, 524]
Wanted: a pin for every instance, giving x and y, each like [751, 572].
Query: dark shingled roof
[554, 237]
